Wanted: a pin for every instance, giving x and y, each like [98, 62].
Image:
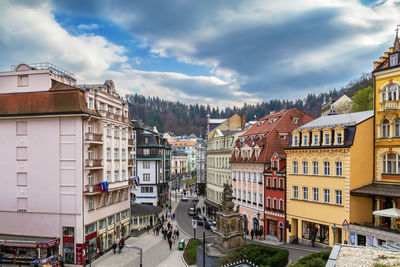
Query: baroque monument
[230, 224]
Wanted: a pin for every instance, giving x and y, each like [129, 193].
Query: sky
[217, 52]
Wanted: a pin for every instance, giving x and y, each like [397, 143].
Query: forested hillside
[182, 118]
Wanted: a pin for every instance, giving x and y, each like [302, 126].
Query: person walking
[170, 244]
[203, 209]
[177, 234]
[169, 235]
[114, 246]
[252, 234]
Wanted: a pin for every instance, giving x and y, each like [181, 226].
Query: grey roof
[348, 119]
[231, 132]
[141, 209]
[217, 121]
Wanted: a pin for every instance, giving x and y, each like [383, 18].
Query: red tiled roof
[271, 141]
[68, 101]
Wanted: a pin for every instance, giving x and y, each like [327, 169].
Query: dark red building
[275, 198]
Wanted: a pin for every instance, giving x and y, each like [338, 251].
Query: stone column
[378, 207]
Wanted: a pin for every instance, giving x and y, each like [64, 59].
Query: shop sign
[90, 236]
[49, 244]
[353, 238]
[370, 241]
[79, 254]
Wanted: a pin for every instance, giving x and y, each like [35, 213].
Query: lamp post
[140, 251]
[334, 228]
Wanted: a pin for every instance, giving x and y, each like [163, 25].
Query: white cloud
[88, 27]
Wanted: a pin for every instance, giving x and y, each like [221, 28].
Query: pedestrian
[114, 246]
[168, 225]
[169, 235]
[154, 230]
[170, 244]
[177, 234]
[203, 209]
[252, 234]
[173, 216]
[164, 233]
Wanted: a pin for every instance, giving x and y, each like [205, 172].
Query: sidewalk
[155, 250]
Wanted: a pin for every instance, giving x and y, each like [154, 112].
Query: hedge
[190, 252]
[259, 255]
[316, 259]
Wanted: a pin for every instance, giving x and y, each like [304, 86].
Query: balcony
[130, 162]
[388, 106]
[94, 163]
[151, 156]
[91, 189]
[92, 137]
[131, 142]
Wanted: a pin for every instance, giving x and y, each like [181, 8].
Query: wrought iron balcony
[94, 163]
[93, 137]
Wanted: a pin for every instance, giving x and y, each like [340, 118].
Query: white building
[55, 139]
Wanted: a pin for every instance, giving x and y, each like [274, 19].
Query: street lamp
[140, 252]
[334, 228]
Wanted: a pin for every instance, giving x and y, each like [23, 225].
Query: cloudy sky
[220, 52]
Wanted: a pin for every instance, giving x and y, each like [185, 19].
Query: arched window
[385, 128]
[391, 163]
[397, 127]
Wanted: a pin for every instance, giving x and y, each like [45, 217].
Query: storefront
[320, 232]
[91, 246]
[26, 250]
[212, 208]
[68, 245]
[272, 227]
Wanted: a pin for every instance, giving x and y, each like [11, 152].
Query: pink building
[58, 142]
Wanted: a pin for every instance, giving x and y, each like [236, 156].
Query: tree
[363, 99]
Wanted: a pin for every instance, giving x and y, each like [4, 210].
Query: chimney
[376, 64]
[243, 121]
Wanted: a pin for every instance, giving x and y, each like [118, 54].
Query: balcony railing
[94, 163]
[156, 156]
[94, 137]
[390, 105]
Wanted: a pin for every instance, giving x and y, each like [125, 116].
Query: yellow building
[327, 158]
[385, 189]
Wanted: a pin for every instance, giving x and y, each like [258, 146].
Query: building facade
[252, 155]
[384, 191]
[201, 158]
[153, 167]
[219, 149]
[190, 148]
[326, 159]
[58, 142]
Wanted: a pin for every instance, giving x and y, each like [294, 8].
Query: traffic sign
[194, 224]
[345, 225]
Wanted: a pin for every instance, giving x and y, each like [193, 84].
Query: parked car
[196, 199]
[213, 227]
[209, 224]
[185, 198]
[200, 219]
[192, 211]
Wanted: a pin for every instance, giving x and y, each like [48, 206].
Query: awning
[392, 213]
[210, 203]
[377, 189]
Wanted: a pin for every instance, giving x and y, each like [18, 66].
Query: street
[296, 252]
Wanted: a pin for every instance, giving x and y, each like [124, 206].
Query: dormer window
[305, 140]
[91, 104]
[295, 120]
[316, 137]
[295, 140]
[339, 138]
[327, 139]
[22, 80]
[394, 60]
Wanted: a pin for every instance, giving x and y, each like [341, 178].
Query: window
[90, 127]
[90, 153]
[254, 177]
[339, 168]
[295, 140]
[90, 203]
[315, 139]
[123, 178]
[339, 138]
[111, 220]
[305, 167]
[394, 60]
[109, 109]
[248, 196]
[146, 177]
[268, 202]
[275, 204]
[91, 104]
[268, 182]
[146, 140]
[260, 199]
[90, 178]
[123, 135]
[23, 80]
[100, 105]
[102, 200]
[305, 140]
[391, 164]
[116, 153]
[327, 168]
[125, 195]
[108, 130]
[146, 151]
[305, 193]
[248, 176]
[117, 217]
[116, 132]
[91, 228]
[146, 164]
[281, 205]
[146, 189]
[315, 167]
[102, 224]
[108, 153]
[281, 183]
[295, 192]
[260, 178]
[275, 183]
[315, 194]
[327, 195]
[385, 128]
[254, 197]
[109, 176]
[295, 167]
[338, 197]
[327, 137]
[110, 199]
[116, 176]
[397, 127]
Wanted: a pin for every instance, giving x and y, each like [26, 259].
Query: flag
[100, 186]
[103, 186]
